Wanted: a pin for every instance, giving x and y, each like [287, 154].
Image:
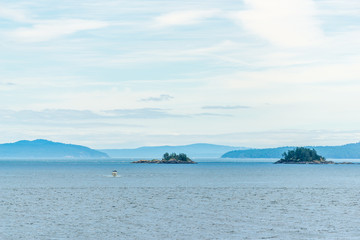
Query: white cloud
[184, 17]
[162, 97]
[222, 51]
[51, 29]
[340, 7]
[225, 107]
[316, 74]
[287, 23]
[13, 14]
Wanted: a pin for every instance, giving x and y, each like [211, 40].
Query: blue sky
[117, 74]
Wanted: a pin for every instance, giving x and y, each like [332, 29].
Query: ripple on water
[63, 205]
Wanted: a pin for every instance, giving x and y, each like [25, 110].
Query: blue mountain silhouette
[41, 148]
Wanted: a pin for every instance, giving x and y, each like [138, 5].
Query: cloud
[145, 113]
[7, 84]
[225, 51]
[286, 23]
[325, 74]
[184, 17]
[225, 107]
[55, 115]
[288, 137]
[162, 97]
[260, 139]
[212, 115]
[85, 116]
[12, 14]
[346, 8]
[50, 29]
[199, 52]
[58, 115]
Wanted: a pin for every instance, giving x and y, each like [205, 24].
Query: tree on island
[302, 155]
[172, 158]
[166, 156]
[181, 157]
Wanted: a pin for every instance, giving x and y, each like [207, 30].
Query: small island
[172, 158]
[301, 155]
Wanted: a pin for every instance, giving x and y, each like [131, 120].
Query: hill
[47, 149]
[192, 150]
[348, 151]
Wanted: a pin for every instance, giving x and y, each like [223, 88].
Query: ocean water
[211, 200]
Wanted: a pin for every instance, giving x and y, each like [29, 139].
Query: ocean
[79, 199]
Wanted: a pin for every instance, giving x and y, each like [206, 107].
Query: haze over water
[80, 200]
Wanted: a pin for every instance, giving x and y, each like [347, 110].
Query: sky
[125, 74]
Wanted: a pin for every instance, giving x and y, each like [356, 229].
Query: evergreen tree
[173, 155]
[183, 157]
[166, 156]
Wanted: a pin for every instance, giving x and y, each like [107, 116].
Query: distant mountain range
[341, 152]
[47, 149]
[193, 150]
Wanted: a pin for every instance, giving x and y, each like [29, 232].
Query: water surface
[237, 200]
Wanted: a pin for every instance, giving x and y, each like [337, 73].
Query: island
[302, 155]
[172, 158]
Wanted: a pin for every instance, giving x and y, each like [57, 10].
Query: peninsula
[301, 155]
[170, 159]
[41, 148]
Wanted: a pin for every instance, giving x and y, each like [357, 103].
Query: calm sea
[76, 199]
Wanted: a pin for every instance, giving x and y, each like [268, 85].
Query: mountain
[47, 149]
[193, 150]
[347, 151]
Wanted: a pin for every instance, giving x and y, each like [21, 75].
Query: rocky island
[301, 155]
[170, 159]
